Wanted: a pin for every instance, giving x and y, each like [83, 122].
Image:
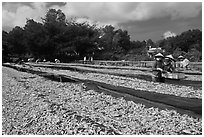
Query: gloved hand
[160, 69]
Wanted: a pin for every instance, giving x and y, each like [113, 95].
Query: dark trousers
[157, 76]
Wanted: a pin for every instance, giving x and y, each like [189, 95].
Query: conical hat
[170, 57]
[159, 55]
[180, 57]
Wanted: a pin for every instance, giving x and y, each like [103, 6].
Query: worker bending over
[169, 64]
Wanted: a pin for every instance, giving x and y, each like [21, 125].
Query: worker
[180, 59]
[158, 68]
[185, 63]
[57, 61]
[31, 59]
[91, 59]
[169, 64]
[44, 60]
[38, 60]
[84, 60]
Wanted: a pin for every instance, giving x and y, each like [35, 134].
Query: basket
[174, 75]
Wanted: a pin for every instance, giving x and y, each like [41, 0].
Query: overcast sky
[142, 20]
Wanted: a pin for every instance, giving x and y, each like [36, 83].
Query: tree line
[68, 40]
[188, 44]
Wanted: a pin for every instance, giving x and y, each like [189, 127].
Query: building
[152, 51]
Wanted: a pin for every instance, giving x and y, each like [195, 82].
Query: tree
[194, 55]
[54, 22]
[85, 39]
[177, 52]
[122, 39]
[183, 43]
[6, 49]
[54, 25]
[37, 39]
[5, 46]
[107, 34]
[16, 39]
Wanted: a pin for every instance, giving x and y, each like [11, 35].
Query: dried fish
[77, 111]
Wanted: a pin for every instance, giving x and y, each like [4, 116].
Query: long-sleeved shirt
[158, 64]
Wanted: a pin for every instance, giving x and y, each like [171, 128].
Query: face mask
[158, 59]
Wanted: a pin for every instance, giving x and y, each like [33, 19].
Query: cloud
[16, 14]
[103, 12]
[123, 12]
[169, 34]
[145, 11]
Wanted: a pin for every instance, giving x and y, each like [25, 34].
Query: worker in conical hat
[180, 59]
[159, 61]
[57, 61]
[158, 68]
[169, 63]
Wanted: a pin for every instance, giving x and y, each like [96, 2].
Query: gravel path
[34, 105]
